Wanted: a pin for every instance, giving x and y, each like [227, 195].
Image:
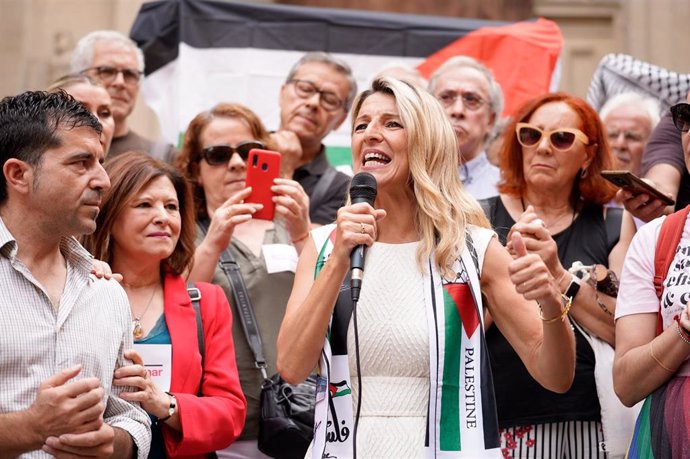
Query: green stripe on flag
[450, 398]
[641, 442]
[339, 156]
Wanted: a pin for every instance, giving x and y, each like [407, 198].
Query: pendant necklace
[138, 331]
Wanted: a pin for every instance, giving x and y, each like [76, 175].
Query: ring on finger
[362, 228]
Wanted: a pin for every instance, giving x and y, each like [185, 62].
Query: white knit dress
[394, 352]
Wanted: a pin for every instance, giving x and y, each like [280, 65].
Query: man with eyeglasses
[664, 165]
[629, 119]
[314, 100]
[113, 59]
[473, 101]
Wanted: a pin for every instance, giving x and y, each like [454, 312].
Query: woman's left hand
[531, 277]
[152, 399]
[292, 204]
[537, 240]
[102, 270]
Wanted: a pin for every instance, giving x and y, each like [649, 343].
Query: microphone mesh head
[363, 188]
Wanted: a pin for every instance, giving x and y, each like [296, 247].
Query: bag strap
[195, 296]
[240, 296]
[321, 188]
[669, 238]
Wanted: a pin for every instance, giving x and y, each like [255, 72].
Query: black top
[664, 147]
[310, 175]
[520, 399]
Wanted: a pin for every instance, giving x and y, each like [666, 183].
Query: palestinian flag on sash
[467, 404]
[200, 52]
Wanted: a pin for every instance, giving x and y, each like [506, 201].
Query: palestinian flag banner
[199, 53]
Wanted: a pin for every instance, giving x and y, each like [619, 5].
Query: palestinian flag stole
[462, 398]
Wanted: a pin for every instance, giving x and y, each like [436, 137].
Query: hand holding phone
[629, 181]
[263, 166]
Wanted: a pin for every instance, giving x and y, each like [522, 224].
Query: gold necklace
[138, 330]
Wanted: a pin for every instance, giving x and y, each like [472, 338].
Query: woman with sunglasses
[214, 155]
[653, 342]
[552, 193]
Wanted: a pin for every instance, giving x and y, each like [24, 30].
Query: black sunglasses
[681, 116]
[215, 155]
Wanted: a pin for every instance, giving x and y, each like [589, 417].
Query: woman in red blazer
[146, 233]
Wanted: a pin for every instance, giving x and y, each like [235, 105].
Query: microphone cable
[359, 380]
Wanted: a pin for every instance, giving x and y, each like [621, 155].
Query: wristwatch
[574, 287]
[172, 408]
[607, 281]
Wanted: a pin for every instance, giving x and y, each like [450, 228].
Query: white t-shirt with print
[636, 293]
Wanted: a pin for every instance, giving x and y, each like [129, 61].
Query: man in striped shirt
[62, 331]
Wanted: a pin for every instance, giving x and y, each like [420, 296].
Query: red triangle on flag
[462, 297]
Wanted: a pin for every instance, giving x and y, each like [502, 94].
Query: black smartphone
[628, 180]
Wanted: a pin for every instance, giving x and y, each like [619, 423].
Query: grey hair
[411, 73]
[648, 105]
[495, 92]
[82, 56]
[336, 64]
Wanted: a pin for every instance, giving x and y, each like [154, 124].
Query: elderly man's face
[471, 123]
[306, 116]
[628, 128]
[123, 93]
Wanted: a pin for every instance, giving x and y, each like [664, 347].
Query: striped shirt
[91, 327]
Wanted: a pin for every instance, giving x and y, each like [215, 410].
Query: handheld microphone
[362, 189]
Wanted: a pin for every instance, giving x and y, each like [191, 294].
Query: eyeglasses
[681, 116]
[215, 155]
[470, 100]
[561, 139]
[628, 136]
[306, 89]
[107, 74]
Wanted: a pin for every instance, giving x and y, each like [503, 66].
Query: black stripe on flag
[162, 25]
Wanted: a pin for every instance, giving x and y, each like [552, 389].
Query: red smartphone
[263, 166]
[626, 179]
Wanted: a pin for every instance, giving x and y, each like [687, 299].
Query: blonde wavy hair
[443, 209]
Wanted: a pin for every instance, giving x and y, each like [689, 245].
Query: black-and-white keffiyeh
[618, 73]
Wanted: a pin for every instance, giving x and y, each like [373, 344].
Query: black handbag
[287, 417]
[287, 411]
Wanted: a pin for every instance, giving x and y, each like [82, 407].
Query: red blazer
[214, 421]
